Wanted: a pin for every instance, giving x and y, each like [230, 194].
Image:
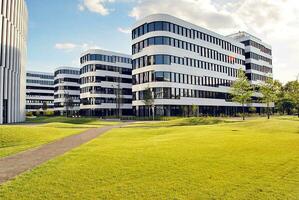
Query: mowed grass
[18, 138]
[256, 159]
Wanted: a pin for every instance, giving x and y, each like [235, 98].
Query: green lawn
[17, 138]
[255, 159]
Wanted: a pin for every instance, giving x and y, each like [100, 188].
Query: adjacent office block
[67, 91]
[106, 83]
[184, 65]
[39, 91]
[258, 57]
[13, 53]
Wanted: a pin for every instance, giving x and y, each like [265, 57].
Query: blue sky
[55, 22]
[59, 30]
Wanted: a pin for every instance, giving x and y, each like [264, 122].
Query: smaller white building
[106, 83]
[67, 91]
[39, 91]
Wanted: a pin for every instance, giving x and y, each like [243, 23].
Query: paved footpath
[16, 164]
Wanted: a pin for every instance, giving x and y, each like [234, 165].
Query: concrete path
[16, 164]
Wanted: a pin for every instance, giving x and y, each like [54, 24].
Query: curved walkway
[16, 164]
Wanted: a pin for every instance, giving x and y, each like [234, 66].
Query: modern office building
[67, 91]
[106, 83]
[184, 65]
[258, 57]
[39, 91]
[13, 56]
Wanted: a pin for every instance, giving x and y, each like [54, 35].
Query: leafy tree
[149, 101]
[292, 92]
[270, 90]
[185, 111]
[45, 106]
[69, 104]
[242, 91]
[285, 105]
[194, 109]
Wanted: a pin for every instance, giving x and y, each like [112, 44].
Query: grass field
[17, 138]
[255, 159]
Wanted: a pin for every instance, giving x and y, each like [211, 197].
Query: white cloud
[124, 30]
[96, 6]
[65, 46]
[69, 47]
[275, 22]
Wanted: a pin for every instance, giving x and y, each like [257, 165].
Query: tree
[185, 111]
[194, 109]
[242, 90]
[149, 101]
[45, 106]
[69, 103]
[292, 92]
[270, 90]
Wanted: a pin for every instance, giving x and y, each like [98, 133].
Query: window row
[62, 105]
[67, 71]
[40, 82]
[257, 57]
[160, 76]
[41, 76]
[39, 101]
[256, 77]
[62, 96]
[100, 100]
[98, 79]
[177, 93]
[93, 68]
[257, 45]
[105, 58]
[69, 80]
[161, 59]
[186, 32]
[66, 88]
[258, 68]
[39, 88]
[202, 51]
[38, 95]
[37, 107]
[102, 90]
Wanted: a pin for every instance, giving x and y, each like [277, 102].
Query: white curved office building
[106, 83]
[13, 54]
[184, 65]
[39, 91]
[66, 86]
[258, 56]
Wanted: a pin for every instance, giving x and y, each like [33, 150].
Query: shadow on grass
[193, 121]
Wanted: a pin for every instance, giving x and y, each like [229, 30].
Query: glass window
[158, 26]
[167, 76]
[158, 40]
[151, 27]
[158, 59]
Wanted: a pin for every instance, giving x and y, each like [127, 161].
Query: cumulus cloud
[275, 22]
[96, 6]
[69, 47]
[65, 46]
[124, 30]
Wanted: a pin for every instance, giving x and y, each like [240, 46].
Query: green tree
[292, 92]
[68, 103]
[45, 106]
[242, 90]
[270, 90]
[149, 101]
[194, 109]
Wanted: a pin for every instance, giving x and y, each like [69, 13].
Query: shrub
[49, 113]
[29, 114]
